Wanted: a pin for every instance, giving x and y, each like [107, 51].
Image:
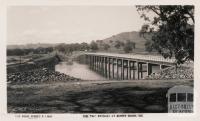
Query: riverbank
[36, 76]
[181, 72]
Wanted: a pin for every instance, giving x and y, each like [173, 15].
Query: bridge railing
[137, 56]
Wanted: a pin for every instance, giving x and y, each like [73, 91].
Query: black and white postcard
[108, 60]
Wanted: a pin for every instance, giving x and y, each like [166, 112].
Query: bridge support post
[122, 69]
[138, 70]
[102, 65]
[134, 70]
[99, 70]
[94, 63]
[109, 59]
[94, 66]
[141, 70]
[127, 69]
[91, 57]
[149, 68]
[131, 69]
[90, 62]
[97, 63]
[105, 66]
[113, 67]
[117, 68]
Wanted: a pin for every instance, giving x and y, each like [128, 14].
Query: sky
[69, 24]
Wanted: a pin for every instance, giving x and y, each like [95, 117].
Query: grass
[92, 97]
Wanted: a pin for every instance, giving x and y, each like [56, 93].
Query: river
[78, 70]
[83, 71]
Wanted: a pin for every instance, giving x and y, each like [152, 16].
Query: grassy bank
[136, 96]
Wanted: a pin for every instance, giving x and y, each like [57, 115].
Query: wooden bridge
[126, 66]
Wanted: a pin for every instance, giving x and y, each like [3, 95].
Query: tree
[94, 46]
[106, 46]
[119, 44]
[172, 28]
[149, 46]
[61, 48]
[15, 51]
[129, 46]
[84, 46]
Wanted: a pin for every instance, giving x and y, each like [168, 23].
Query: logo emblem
[180, 99]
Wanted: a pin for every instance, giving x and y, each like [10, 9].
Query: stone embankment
[173, 73]
[38, 76]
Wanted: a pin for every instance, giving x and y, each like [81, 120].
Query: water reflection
[78, 70]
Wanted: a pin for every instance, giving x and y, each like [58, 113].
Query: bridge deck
[137, 57]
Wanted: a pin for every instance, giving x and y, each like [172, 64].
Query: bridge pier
[102, 65]
[140, 70]
[99, 63]
[93, 62]
[113, 67]
[131, 70]
[105, 66]
[149, 68]
[122, 70]
[119, 64]
[125, 69]
[109, 63]
[90, 61]
[96, 63]
[99, 70]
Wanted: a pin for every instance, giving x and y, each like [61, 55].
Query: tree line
[21, 52]
[94, 46]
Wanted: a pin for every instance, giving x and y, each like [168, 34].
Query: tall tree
[106, 46]
[172, 28]
[94, 46]
[129, 46]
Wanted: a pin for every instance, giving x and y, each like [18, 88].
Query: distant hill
[123, 37]
[33, 46]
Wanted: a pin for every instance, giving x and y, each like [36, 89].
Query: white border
[151, 116]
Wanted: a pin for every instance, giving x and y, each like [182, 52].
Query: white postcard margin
[4, 116]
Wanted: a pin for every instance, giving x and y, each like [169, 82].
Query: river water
[83, 71]
[78, 70]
